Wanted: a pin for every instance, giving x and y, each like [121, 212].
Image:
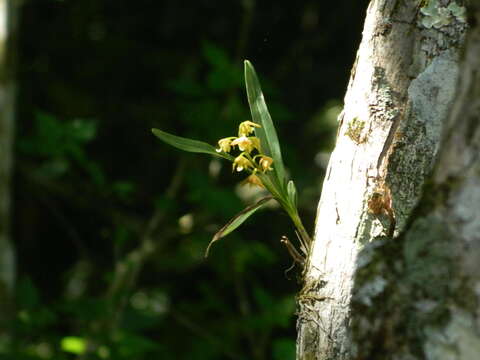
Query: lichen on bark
[416, 286]
[402, 70]
[429, 308]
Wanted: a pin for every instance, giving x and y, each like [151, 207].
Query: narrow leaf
[189, 145]
[267, 134]
[292, 193]
[237, 220]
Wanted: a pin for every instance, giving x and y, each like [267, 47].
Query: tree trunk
[428, 303]
[7, 105]
[401, 88]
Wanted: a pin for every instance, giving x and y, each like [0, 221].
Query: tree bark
[401, 88]
[428, 306]
[7, 106]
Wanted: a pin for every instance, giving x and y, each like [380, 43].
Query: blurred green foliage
[110, 228]
[58, 144]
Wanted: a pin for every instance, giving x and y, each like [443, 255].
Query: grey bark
[428, 306]
[401, 88]
[7, 106]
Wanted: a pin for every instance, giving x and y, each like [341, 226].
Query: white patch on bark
[466, 222]
[431, 94]
[457, 341]
[467, 211]
[3, 20]
[7, 98]
[370, 290]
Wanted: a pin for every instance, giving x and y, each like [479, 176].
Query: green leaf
[189, 145]
[73, 344]
[237, 220]
[28, 296]
[82, 130]
[292, 193]
[283, 348]
[267, 133]
[215, 55]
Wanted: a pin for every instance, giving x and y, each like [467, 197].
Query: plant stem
[305, 240]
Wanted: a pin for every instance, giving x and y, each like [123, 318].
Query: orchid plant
[260, 157]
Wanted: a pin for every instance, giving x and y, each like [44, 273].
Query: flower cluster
[247, 145]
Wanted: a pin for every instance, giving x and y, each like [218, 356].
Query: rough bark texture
[428, 306]
[401, 88]
[7, 97]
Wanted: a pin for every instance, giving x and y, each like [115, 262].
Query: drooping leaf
[237, 220]
[189, 145]
[267, 133]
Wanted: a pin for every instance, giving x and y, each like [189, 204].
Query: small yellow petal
[241, 162]
[255, 142]
[265, 163]
[225, 144]
[242, 142]
[253, 180]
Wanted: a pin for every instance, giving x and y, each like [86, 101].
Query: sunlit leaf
[189, 145]
[267, 133]
[237, 220]
[73, 344]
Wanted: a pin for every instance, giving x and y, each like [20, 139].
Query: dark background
[110, 224]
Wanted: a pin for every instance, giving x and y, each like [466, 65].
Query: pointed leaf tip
[292, 193]
[260, 115]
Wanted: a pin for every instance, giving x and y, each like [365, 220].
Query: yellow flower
[253, 180]
[246, 127]
[241, 162]
[265, 163]
[247, 144]
[256, 142]
[225, 144]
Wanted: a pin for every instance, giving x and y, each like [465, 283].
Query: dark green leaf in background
[284, 349]
[88, 180]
